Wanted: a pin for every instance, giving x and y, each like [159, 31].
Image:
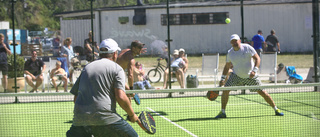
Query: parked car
[47, 45]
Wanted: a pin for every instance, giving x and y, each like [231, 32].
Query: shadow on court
[212, 118]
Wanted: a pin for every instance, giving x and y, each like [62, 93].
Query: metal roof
[182, 5]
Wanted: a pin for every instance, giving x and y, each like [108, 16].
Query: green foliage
[19, 66]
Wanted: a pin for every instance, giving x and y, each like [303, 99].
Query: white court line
[173, 123]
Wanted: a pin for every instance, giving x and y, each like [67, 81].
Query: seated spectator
[67, 51]
[33, 71]
[90, 46]
[177, 66]
[140, 82]
[185, 59]
[58, 73]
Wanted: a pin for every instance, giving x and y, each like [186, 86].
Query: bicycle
[154, 75]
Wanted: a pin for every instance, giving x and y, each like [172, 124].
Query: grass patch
[297, 60]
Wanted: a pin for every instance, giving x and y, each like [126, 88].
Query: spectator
[140, 82]
[185, 59]
[58, 73]
[100, 86]
[34, 68]
[67, 51]
[177, 66]
[258, 42]
[89, 47]
[272, 41]
[56, 46]
[4, 51]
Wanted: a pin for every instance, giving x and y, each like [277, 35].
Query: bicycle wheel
[154, 75]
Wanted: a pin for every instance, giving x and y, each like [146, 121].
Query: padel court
[247, 115]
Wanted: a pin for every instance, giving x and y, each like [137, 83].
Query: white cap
[110, 44]
[176, 52]
[181, 50]
[234, 36]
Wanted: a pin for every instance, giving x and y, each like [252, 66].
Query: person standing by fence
[4, 51]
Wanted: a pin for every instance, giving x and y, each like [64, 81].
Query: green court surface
[247, 115]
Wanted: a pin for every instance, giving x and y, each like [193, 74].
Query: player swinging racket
[244, 73]
[100, 86]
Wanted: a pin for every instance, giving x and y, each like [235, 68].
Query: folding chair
[64, 65]
[210, 64]
[268, 65]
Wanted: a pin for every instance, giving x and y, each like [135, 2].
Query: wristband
[131, 88]
[255, 69]
[223, 77]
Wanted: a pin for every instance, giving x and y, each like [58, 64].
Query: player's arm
[75, 89]
[256, 59]
[225, 72]
[130, 72]
[125, 104]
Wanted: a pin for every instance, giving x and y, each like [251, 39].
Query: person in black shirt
[88, 48]
[272, 41]
[32, 68]
[4, 50]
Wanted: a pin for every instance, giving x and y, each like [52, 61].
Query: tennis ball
[227, 20]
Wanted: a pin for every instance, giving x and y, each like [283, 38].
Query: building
[197, 27]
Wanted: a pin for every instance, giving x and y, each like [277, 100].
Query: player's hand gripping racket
[212, 95]
[146, 122]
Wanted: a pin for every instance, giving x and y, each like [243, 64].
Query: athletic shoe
[221, 115]
[31, 91]
[279, 113]
[136, 99]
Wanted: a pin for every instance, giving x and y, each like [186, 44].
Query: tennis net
[177, 112]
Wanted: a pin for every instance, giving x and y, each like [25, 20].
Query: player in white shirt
[245, 62]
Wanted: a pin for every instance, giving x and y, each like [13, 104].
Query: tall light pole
[14, 50]
[316, 40]
[242, 21]
[92, 36]
[169, 40]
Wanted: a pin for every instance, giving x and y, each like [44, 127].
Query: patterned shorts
[235, 80]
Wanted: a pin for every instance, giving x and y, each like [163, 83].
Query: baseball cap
[176, 52]
[109, 44]
[234, 36]
[137, 43]
[259, 31]
[181, 50]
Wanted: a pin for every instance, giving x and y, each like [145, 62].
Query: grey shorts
[4, 69]
[235, 80]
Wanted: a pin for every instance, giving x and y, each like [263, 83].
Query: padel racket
[212, 95]
[147, 122]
